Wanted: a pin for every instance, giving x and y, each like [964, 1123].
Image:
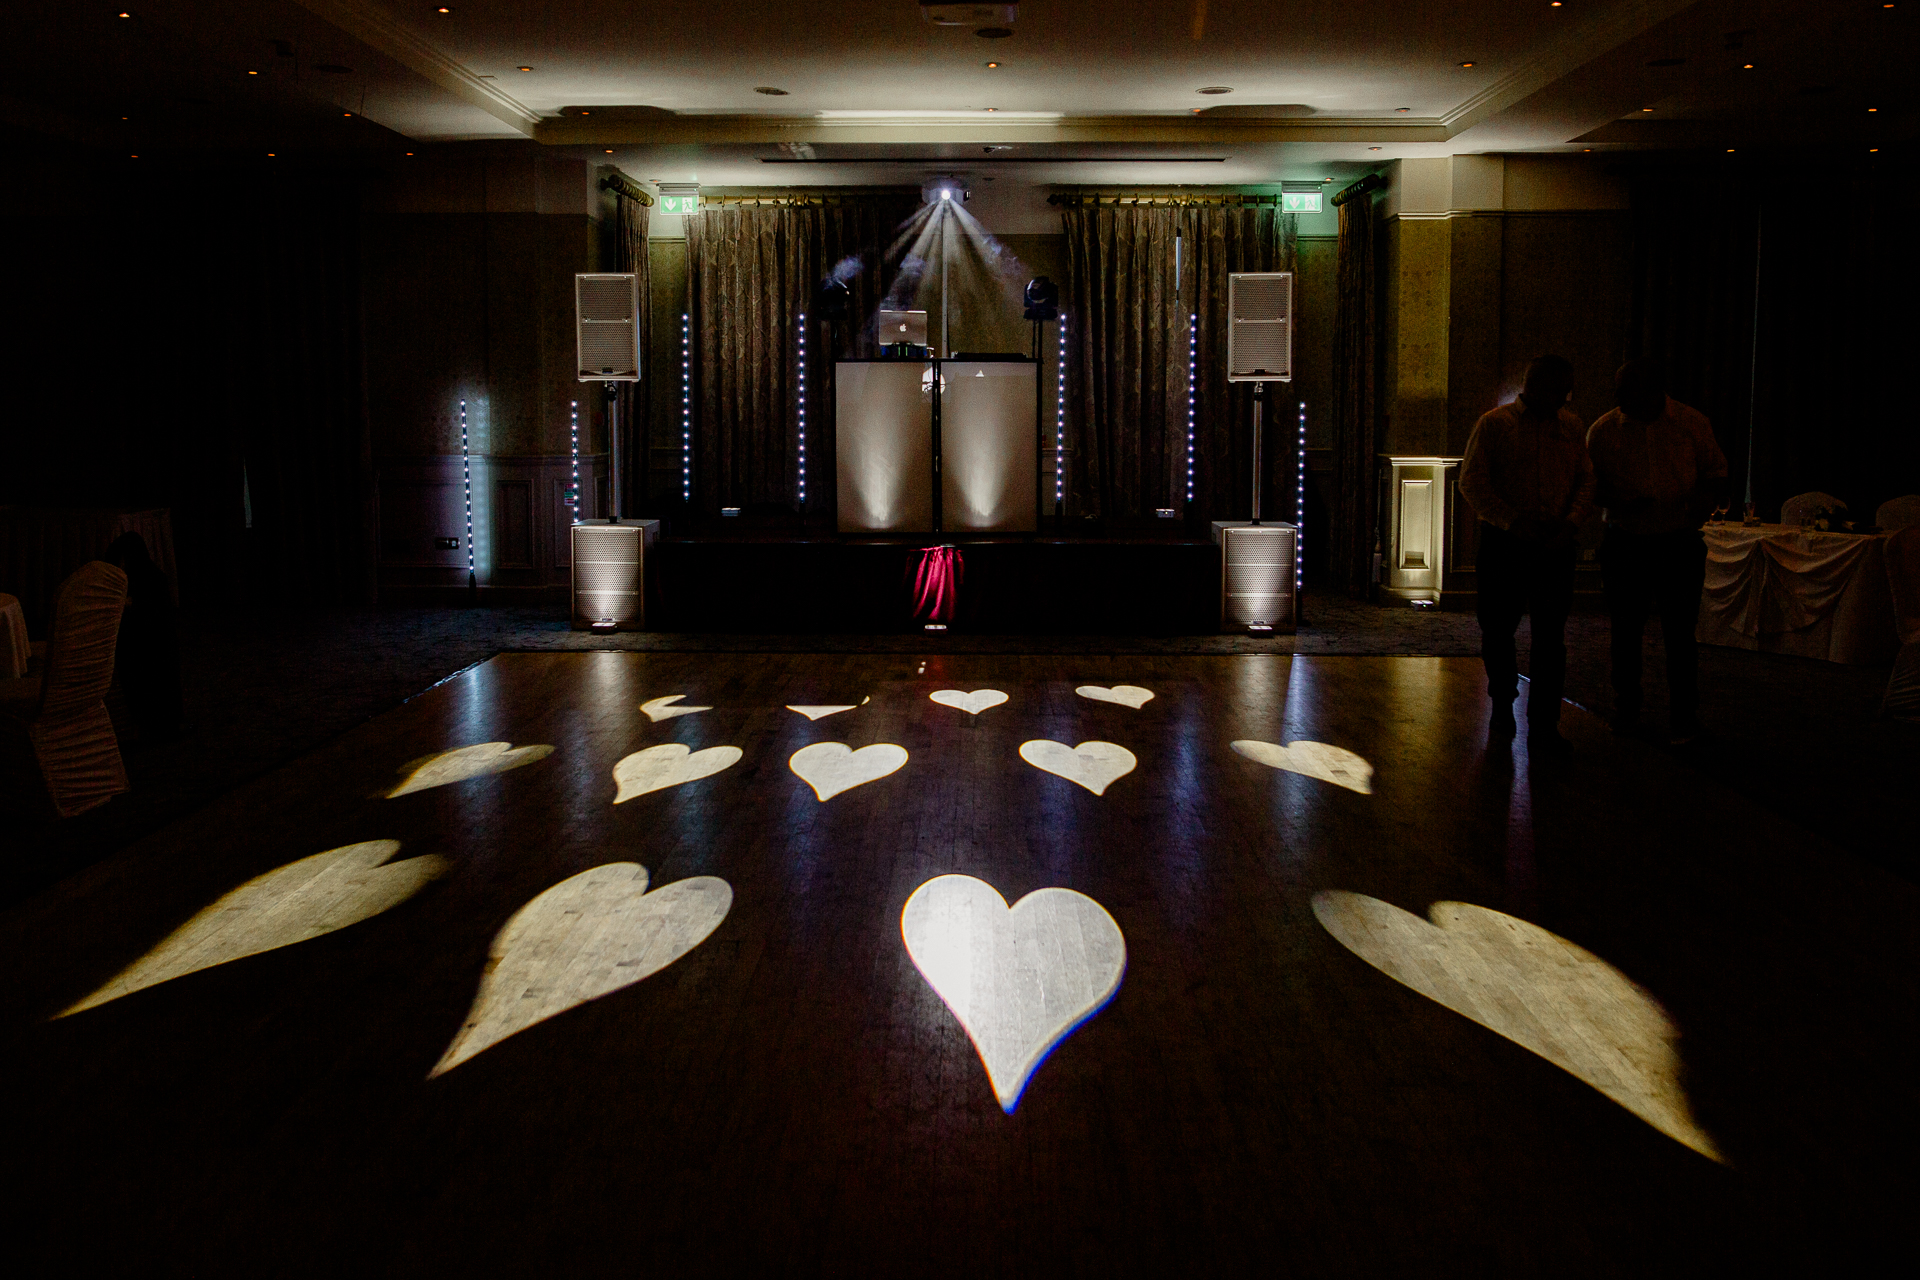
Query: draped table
[1775, 589]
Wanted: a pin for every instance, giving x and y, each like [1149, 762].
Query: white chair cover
[1899, 513]
[14, 651]
[1790, 509]
[71, 733]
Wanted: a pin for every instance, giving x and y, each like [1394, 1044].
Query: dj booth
[938, 445]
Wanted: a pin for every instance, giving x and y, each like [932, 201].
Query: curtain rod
[620, 184]
[803, 198]
[1372, 182]
[1071, 199]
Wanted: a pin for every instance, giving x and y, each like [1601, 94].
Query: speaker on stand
[609, 556]
[1259, 562]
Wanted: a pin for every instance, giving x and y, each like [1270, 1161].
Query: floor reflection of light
[668, 765]
[462, 763]
[659, 709]
[816, 712]
[1127, 695]
[832, 767]
[1020, 979]
[971, 703]
[1094, 765]
[1341, 767]
[1536, 989]
[301, 900]
[586, 937]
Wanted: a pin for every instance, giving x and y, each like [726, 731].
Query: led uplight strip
[1193, 363]
[573, 493]
[803, 409]
[1300, 509]
[1060, 423]
[686, 407]
[466, 483]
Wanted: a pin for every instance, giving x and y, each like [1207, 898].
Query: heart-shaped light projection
[290, 904]
[1127, 695]
[1536, 989]
[831, 709]
[659, 709]
[1337, 765]
[668, 765]
[832, 767]
[462, 763]
[1020, 979]
[971, 703]
[586, 937]
[1094, 765]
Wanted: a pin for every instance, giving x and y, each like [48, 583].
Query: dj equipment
[610, 574]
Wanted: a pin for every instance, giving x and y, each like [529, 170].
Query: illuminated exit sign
[1300, 201]
[680, 197]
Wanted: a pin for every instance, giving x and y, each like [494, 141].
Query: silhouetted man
[1527, 475]
[1660, 472]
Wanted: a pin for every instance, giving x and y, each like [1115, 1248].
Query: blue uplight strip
[1060, 422]
[1300, 510]
[1193, 364]
[466, 483]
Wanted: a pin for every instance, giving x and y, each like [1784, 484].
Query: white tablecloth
[1814, 595]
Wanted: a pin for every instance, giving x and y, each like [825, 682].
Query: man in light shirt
[1660, 472]
[1527, 476]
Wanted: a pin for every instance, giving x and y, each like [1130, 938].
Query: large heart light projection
[971, 703]
[1536, 989]
[832, 767]
[1337, 765]
[584, 938]
[476, 761]
[1126, 695]
[820, 711]
[668, 765]
[659, 709]
[1094, 765]
[1020, 979]
[290, 904]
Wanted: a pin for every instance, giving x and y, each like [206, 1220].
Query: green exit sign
[1300, 201]
[691, 204]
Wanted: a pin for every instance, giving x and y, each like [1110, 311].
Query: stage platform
[1018, 584]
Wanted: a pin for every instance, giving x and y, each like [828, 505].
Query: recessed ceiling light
[993, 66]
[1466, 64]
[1646, 108]
[993, 108]
[347, 114]
[1729, 150]
[253, 73]
[609, 150]
[1326, 179]
[586, 113]
[1747, 67]
[409, 153]
[770, 91]
[1873, 108]
[128, 15]
[1216, 88]
[446, 11]
[1876, 148]
[1401, 110]
[1373, 148]
[269, 155]
[523, 68]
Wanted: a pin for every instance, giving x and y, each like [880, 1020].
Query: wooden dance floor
[1301, 976]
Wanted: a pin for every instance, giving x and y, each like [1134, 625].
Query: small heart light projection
[668, 765]
[1536, 989]
[829, 709]
[659, 709]
[301, 900]
[586, 937]
[1126, 695]
[832, 767]
[1019, 979]
[462, 763]
[1337, 765]
[1094, 765]
[971, 703]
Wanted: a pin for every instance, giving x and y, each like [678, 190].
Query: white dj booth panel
[883, 441]
[989, 447]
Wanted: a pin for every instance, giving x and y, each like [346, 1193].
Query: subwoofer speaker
[1260, 326]
[610, 574]
[1257, 576]
[607, 326]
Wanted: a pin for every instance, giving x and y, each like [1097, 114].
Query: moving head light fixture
[944, 188]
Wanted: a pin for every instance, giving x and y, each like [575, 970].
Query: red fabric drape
[936, 584]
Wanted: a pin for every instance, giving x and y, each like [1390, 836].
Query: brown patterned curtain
[630, 254]
[1129, 317]
[752, 270]
[1355, 403]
